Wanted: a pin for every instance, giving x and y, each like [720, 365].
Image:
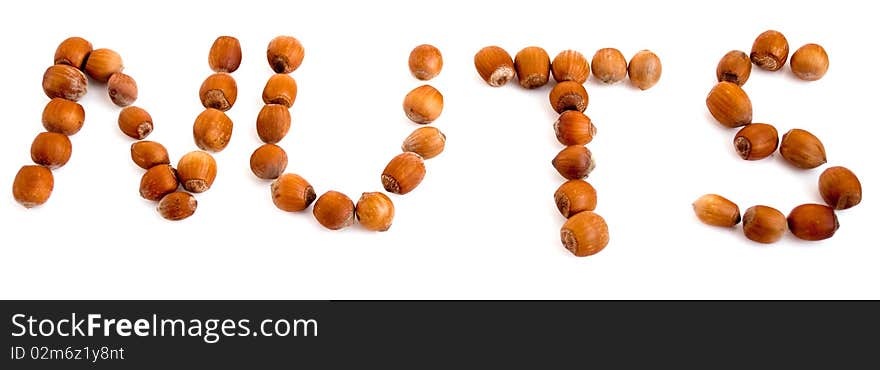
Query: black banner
[244, 334]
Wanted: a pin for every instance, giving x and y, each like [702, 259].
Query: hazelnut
[574, 162]
[813, 222]
[219, 91]
[840, 188]
[569, 95]
[764, 224]
[570, 65]
[756, 141]
[810, 62]
[196, 171]
[375, 211]
[532, 66]
[148, 154]
[32, 185]
[734, 67]
[212, 130]
[63, 116]
[64, 81]
[770, 50]
[285, 54]
[73, 51]
[268, 162]
[280, 89]
[135, 122]
[715, 210]
[574, 128]
[123, 89]
[575, 196]
[584, 234]
[102, 64]
[403, 173]
[177, 206]
[644, 70]
[423, 104]
[225, 54]
[292, 193]
[425, 62]
[158, 181]
[334, 210]
[273, 123]
[427, 142]
[51, 149]
[802, 149]
[494, 65]
[730, 105]
[609, 65]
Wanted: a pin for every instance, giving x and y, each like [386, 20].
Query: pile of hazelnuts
[335, 210]
[585, 232]
[730, 105]
[65, 83]
[212, 130]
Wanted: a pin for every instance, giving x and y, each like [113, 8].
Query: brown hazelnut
[158, 181]
[334, 210]
[148, 154]
[730, 105]
[212, 130]
[532, 66]
[51, 149]
[292, 193]
[273, 123]
[735, 67]
[375, 211]
[584, 234]
[423, 104]
[756, 141]
[569, 95]
[609, 65]
[135, 122]
[813, 222]
[644, 70]
[494, 65]
[574, 162]
[225, 54]
[427, 142]
[280, 89]
[219, 91]
[122, 89]
[575, 196]
[196, 171]
[840, 188]
[770, 51]
[64, 81]
[63, 116]
[570, 65]
[103, 63]
[425, 62]
[802, 149]
[574, 128]
[285, 54]
[32, 186]
[73, 51]
[764, 224]
[403, 173]
[809, 62]
[715, 210]
[268, 162]
[177, 206]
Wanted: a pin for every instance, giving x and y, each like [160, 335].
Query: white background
[482, 224]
